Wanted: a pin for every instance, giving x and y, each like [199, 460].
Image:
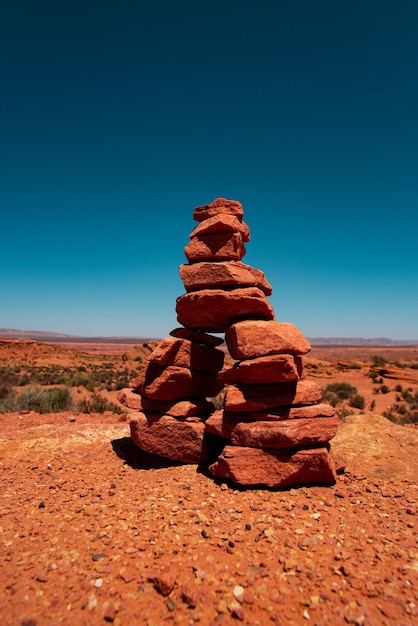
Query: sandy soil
[94, 531]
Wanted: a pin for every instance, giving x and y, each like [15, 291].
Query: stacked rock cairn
[272, 429]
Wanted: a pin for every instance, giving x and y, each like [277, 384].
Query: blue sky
[117, 119]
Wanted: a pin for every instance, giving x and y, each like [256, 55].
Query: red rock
[253, 338]
[218, 206]
[225, 247]
[265, 369]
[130, 398]
[222, 224]
[197, 336]
[285, 433]
[179, 440]
[171, 382]
[223, 275]
[261, 397]
[222, 423]
[215, 309]
[253, 466]
[183, 408]
[184, 353]
[165, 580]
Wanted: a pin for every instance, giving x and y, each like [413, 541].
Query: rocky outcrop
[273, 427]
[274, 468]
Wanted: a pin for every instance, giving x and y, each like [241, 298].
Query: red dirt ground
[94, 531]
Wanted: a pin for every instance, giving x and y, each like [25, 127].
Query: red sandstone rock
[218, 206]
[222, 423]
[193, 407]
[130, 399]
[261, 397]
[222, 224]
[170, 382]
[179, 440]
[197, 336]
[265, 369]
[253, 466]
[215, 309]
[184, 353]
[223, 275]
[285, 433]
[252, 338]
[224, 247]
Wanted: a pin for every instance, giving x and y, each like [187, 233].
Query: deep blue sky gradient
[117, 119]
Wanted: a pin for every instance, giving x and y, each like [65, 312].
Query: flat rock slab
[254, 466]
[261, 397]
[222, 223]
[285, 433]
[184, 353]
[170, 382]
[253, 338]
[220, 206]
[266, 369]
[222, 423]
[223, 247]
[179, 440]
[196, 336]
[215, 309]
[223, 275]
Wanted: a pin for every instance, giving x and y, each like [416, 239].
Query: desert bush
[5, 390]
[344, 412]
[398, 388]
[97, 404]
[399, 414]
[374, 375]
[378, 361]
[384, 389]
[407, 395]
[343, 391]
[372, 405]
[357, 401]
[39, 400]
[348, 366]
[414, 366]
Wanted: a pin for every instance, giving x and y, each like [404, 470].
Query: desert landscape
[93, 530]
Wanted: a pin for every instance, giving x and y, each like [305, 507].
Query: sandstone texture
[171, 382]
[215, 309]
[163, 435]
[253, 466]
[220, 206]
[268, 396]
[184, 353]
[223, 247]
[178, 408]
[219, 224]
[267, 369]
[252, 338]
[223, 275]
[284, 433]
[130, 398]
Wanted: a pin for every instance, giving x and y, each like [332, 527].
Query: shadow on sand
[137, 458]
